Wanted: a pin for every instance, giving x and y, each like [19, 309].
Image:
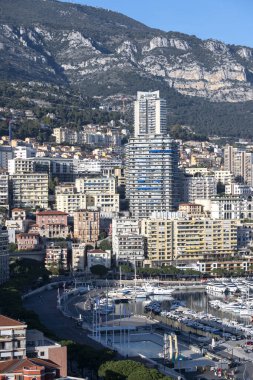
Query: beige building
[30, 190]
[239, 162]
[86, 226]
[188, 239]
[191, 209]
[13, 339]
[70, 202]
[56, 256]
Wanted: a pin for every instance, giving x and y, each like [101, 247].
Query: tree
[126, 268]
[12, 247]
[146, 374]
[105, 245]
[119, 370]
[128, 370]
[99, 270]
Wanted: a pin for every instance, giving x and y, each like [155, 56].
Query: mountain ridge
[104, 53]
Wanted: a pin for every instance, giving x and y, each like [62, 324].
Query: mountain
[98, 52]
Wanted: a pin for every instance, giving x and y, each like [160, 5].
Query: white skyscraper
[152, 175]
[149, 114]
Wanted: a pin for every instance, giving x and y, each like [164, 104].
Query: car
[249, 343]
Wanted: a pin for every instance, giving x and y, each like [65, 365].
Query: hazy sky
[230, 21]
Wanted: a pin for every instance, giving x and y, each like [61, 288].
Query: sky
[227, 20]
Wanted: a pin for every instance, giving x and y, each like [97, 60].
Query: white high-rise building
[149, 114]
[152, 175]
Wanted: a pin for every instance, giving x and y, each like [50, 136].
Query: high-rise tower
[149, 114]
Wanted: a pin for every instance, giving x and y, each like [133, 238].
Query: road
[45, 306]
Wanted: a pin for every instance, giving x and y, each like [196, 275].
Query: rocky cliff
[105, 53]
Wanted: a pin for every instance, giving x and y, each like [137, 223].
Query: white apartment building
[86, 166]
[150, 114]
[30, 190]
[223, 176]
[98, 257]
[97, 185]
[70, 202]
[20, 165]
[152, 175]
[79, 257]
[199, 187]
[127, 243]
[24, 152]
[238, 189]
[4, 255]
[4, 190]
[12, 339]
[106, 203]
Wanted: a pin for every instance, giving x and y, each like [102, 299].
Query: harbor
[135, 320]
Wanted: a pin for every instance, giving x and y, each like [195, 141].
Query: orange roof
[51, 212]
[17, 365]
[96, 251]
[6, 321]
[17, 209]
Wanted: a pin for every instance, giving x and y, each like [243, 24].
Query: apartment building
[204, 237]
[20, 165]
[199, 187]
[159, 234]
[96, 184]
[4, 255]
[86, 226]
[150, 114]
[238, 189]
[30, 190]
[106, 203]
[6, 154]
[24, 152]
[187, 238]
[12, 339]
[98, 257]
[245, 264]
[4, 190]
[191, 209]
[27, 369]
[52, 224]
[239, 162]
[28, 241]
[223, 176]
[79, 258]
[71, 201]
[39, 346]
[152, 175]
[56, 256]
[127, 242]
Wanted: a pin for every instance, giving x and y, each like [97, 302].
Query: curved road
[45, 305]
